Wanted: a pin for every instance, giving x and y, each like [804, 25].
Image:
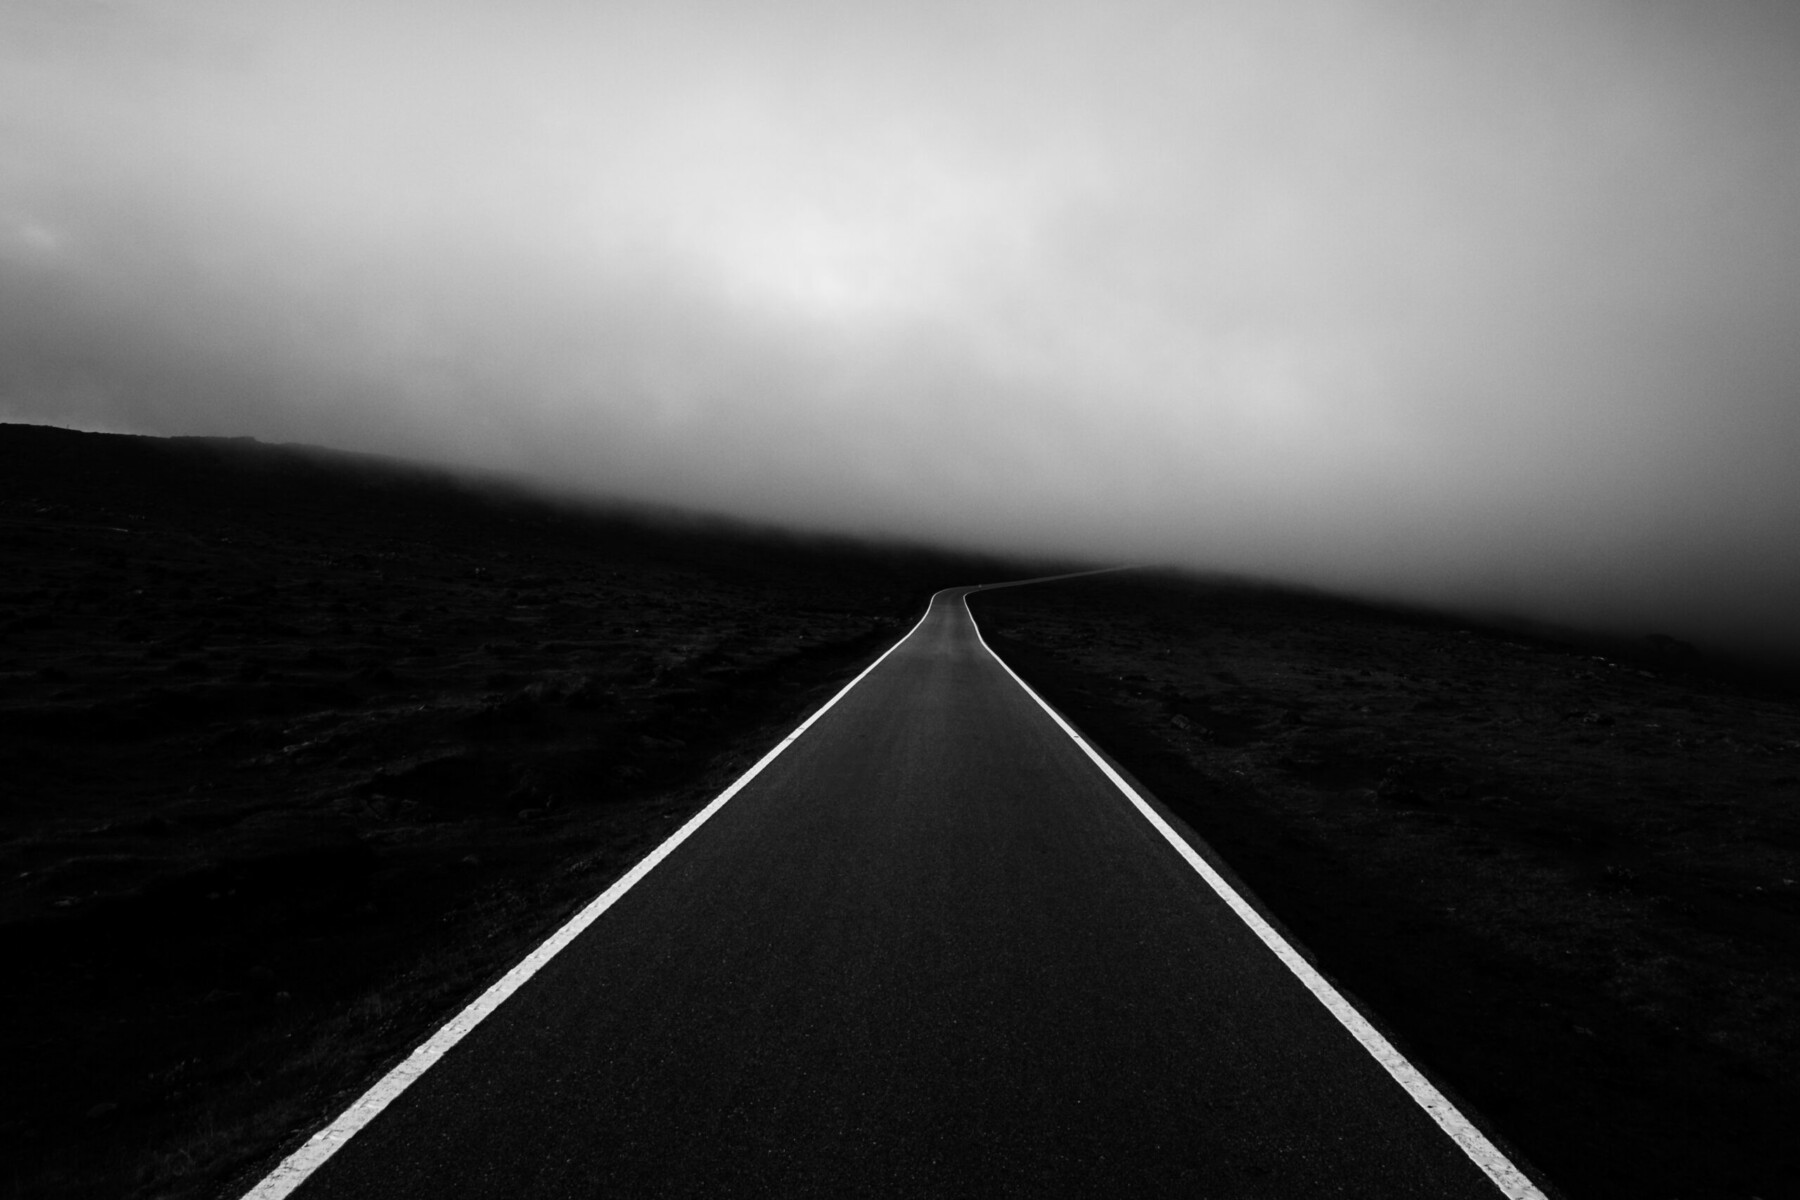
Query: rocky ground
[299, 750]
[1565, 876]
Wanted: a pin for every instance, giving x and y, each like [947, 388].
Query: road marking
[296, 1167]
[1484, 1154]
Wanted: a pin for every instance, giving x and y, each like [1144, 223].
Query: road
[931, 949]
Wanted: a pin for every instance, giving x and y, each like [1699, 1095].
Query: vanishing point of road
[930, 949]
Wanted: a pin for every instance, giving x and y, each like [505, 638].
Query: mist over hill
[1478, 307]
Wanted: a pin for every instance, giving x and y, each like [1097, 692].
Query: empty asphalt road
[930, 950]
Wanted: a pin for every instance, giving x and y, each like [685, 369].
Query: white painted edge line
[293, 1170]
[1484, 1154]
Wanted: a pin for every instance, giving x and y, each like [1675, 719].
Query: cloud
[1482, 304]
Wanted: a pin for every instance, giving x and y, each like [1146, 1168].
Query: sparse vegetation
[1568, 876]
[300, 750]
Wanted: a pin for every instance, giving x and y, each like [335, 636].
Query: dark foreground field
[1566, 877]
[298, 751]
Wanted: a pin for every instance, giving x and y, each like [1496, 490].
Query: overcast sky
[1484, 303]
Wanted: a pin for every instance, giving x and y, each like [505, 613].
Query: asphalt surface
[929, 951]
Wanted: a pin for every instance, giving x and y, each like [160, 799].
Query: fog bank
[1493, 305]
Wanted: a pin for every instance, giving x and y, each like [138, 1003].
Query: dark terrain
[1565, 876]
[299, 750]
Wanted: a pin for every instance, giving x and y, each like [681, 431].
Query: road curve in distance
[929, 949]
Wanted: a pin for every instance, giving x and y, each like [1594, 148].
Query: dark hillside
[1568, 881]
[301, 748]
